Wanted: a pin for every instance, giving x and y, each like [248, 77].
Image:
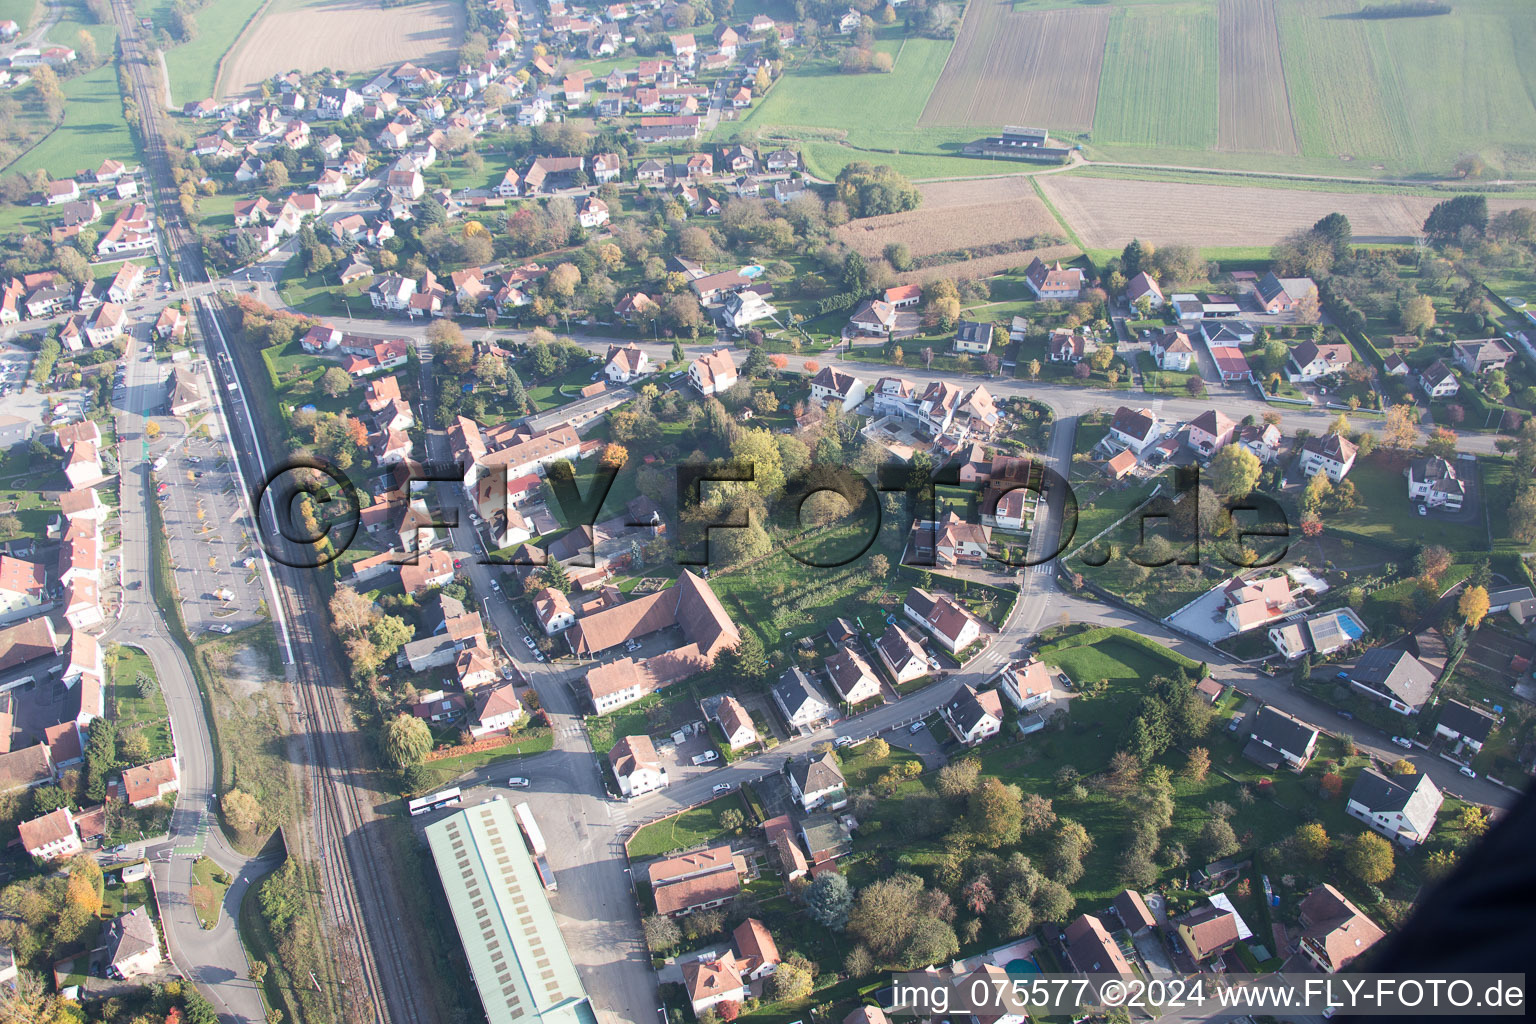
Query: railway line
[365, 935]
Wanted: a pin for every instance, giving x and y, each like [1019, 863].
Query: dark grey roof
[813, 774]
[1418, 802]
[130, 935]
[974, 332]
[1397, 673]
[1281, 731]
[1473, 723]
[795, 689]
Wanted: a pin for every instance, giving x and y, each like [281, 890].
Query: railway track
[365, 936]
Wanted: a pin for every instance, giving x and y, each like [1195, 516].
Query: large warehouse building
[516, 955]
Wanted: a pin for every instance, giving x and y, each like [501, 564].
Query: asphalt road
[214, 959]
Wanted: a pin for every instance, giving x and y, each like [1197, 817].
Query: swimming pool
[1350, 627]
[1022, 965]
[754, 271]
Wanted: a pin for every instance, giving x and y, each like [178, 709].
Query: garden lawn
[93, 129]
[530, 741]
[133, 712]
[691, 828]
[1385, 515]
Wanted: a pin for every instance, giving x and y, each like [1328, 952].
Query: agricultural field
[1106, 213]
[955, 214]
[1139, 102]
[19, 11]
[875, 116]
[1033, 67]
[1255, 110]
[93, 128]
[348, 35]
[1411, 94]
[194, 66]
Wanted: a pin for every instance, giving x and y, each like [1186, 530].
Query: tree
[1311, 841]
[335, 382]
[1336, 230]
[407, 740]
[1403, 766]
[1447, 218]
[1400, 429]
[275, 174]
[1439, 864]
[1473, 606]
[747, 661]
[661, 933]
[1197, 764]
[352, 612]
[1217, 839]
[731, 819]
[995, 813]
[47, 799]
[1235, 471]
[1133, 258]
[828, 900]
[1417, 314]
[790, 982]
[1369, 858]
[241, 810]
[1039, 815]
[959, 778]
[554, 576]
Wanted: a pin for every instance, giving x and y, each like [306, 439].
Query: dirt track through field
[345, 35]
[1036, 68]
[1107, 213]
[956, 215]
[1254, 107]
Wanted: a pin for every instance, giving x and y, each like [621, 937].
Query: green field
[697, 825]
[1411, 94]
[1140, 103]
[873, 117]
[19, 11]
[194, 66]
[93, 129]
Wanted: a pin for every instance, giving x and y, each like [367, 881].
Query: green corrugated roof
[516, 954]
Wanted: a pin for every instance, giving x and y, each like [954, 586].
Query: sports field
[346, 35]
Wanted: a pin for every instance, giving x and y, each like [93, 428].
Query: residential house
[1310, 361]
[22, 585]
[712, 982]
[1482, 355]
[1091, 950]
[637, 766]
[1056, 282]
[635, 306]
[831, 385]
[592, 213]
[1172, 350]
[974, 716]
[1394, 677]
[1262, 439]
[1066, 345]
[496, 709]
[1254, 603]
[904, 296]
[735, 723]
[1133, 912]
[1276, 738]
[433, 569]
[951, 625]
[1271, 294]
[1334, 931]
[50, 837]
[1210, 431]
[1438, 380]
[950, 542]
[126, 283]
[903, 655]
[1434, 482]
[712, 372]
[1207, 932]
[799, 700]
[817, 782]
[1143, 285]
[1134, 428]
[148, 783]
[757, 955]
[873, 317]
[852, 677]
[553, 610]
[1027, 685]
[132, 944]
[744, 308]
[1470, 725]
[1402, 808]
[1333, 454]
[973, 336]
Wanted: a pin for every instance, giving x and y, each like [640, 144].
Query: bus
[435, 802]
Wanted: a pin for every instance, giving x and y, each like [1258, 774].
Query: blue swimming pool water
[754, 271]
[1022, 966]
[1350, 627]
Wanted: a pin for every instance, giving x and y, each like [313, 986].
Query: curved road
[214, 959]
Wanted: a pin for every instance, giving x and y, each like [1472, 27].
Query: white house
[951, 625]
[712, 372]
[1465, 723]
[833, 385]
[817, 783]
[1402, 809]
[1310, 361]
[637, 766]
[625, 363]
[1027, 685]
[553, 610]
[1433, 481]
[1134, 428]
[903, 655]
[799, 700]
[852, 677]
[50, 837]
[1172, 350]
[1333, 454]
[1276, 736]
[735, 723]
[974, 716]
[1439, 380]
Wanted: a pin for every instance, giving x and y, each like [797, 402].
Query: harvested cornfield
[1036, 67]
[957, 215]
[1254, 108]
[350, 35]
[1106, 213]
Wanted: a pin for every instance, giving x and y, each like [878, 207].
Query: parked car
[1344, 714]
[723, 787]
[518, 782]
[529, 641]
[917, 727]
[1468, 772]
[706, 757]
[843, 741]
[1403, 741]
